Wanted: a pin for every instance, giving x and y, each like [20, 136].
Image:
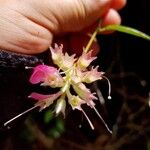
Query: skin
[31, 26]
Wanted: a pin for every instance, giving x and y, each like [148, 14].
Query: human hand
[30, 26]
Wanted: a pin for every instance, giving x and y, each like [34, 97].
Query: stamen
[18, 116]
[102, 120]
[149, 100]
[90, 123]
[64, 72]
[109, 88]
[61, 73]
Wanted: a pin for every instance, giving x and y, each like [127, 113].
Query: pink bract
[41, 72]
[41, 97]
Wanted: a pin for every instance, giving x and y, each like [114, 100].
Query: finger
[78, 16]
[111, 18]
[118, 4]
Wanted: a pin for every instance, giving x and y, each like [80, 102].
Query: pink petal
[38, 96]
[57, 53]
[92, 75]
[37, 77]
[83, 92]
[85, 59]
[40, 73]
[62, 60]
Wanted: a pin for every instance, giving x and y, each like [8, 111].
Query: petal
[83, 92]
[44, 68]
[40, 73]
[75, 101]
[91, 104]
[93, 75]
[85, 59]
[53, 80]
[57, 54]
[44, 100]
[38, 96]
[67, 61]
[63, 61]
[36, 77]
[60, 106]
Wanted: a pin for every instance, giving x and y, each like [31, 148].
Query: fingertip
[111, 17]
[118, 4]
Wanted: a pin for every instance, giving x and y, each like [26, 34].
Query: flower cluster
[71, 72]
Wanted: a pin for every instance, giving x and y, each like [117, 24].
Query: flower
[61, 105]
[44, 100]
[84, 93]
[47, 75]
[85, 59]
[92, 75]
[75, 101]
[71, 72]
[63, 61]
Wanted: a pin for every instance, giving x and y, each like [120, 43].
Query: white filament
[109, 87]
[102, 120]
[89, 121]
[18, 116]
[27, 67]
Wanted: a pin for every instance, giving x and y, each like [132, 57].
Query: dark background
[134, 52]
[125, 59]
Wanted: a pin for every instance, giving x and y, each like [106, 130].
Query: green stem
[120, 28]
[91, 40]
[125, 29]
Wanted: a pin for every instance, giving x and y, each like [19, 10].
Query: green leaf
[48, 116]
[60, 125]
[125, 29]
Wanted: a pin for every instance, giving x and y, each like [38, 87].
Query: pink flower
[63, 61]
[75, 101]
[85, 59]
[47, 75]
[57, 53]
[44, 100]
[75, 73]
[92, 75]
[84, 93]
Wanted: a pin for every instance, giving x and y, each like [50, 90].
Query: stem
[91, 40]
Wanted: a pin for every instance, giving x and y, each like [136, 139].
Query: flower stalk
[93, 37]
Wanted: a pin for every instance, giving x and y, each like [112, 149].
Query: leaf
[125, 29]
[48, 116]
[60, 125]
